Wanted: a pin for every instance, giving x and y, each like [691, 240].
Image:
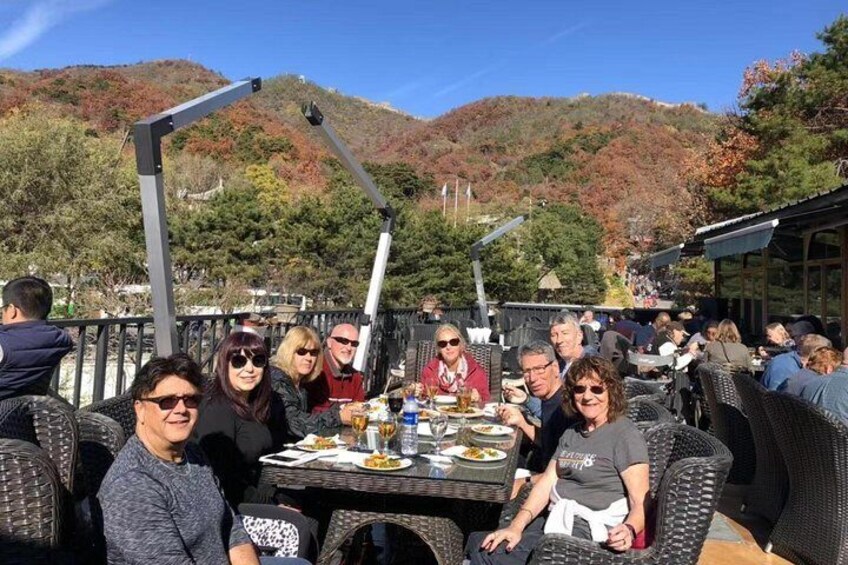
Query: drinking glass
[395, 403]
[463, 402]
[359, 423]
[438, 428]
[387, 427]
[432, 391]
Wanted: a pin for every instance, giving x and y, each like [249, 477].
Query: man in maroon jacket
[339, 381]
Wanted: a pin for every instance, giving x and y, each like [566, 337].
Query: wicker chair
[52, 427]
[813, 527]
[729, 421]
[634, 388]
[419, 353]
[119, 408]
[525, 334]
[688, 469]
[647, 414]
[32, 505]
[101, 438]
[767, 493]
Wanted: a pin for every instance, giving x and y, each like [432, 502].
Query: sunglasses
[167, 403]
[238, 361]
[345, 341]
[442, 343]
[594, 389]
[304, 351]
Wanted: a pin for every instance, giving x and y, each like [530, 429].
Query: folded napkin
[305, 458]
[351, 457]
[455, 450]
[310, 440]
[437, 458]
[522, 473]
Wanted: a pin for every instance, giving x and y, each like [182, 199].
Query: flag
[468, 191]
[445, 190]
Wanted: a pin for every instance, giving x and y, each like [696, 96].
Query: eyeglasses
[169, 402]
[238, 361]
[345, 341]
[442, 343]
[304, 351]
[594, 389]
[537, 370]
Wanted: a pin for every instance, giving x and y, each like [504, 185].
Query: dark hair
[258, 405]
[32, 295]
[603, 370]
[628, 314]
[157, 369]
[707, 325]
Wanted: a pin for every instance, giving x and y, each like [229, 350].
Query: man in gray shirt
[160, 500]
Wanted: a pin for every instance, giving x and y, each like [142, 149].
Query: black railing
[109, 351]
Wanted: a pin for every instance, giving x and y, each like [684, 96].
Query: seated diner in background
[595, 488]
[806, 375]
[339, 382]
[776, 335]
[833, 396]
[812, 378]
[728, 349]
[160, 499]
[297, 362]
[788, 364]
[669, 341]
[704, 337]
[453, 368]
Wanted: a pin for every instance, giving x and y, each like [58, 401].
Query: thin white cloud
[404, 89]
[495, 66]
[37, 19]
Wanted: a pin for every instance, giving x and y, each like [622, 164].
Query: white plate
[309, 447]
[424, 430]
[404, 464]
[499, 456]
[476, 413]
[445, 399]
[491, 429]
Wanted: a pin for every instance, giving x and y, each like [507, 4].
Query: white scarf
[563, 510]
[452, 382]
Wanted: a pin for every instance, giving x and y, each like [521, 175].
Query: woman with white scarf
[453, 369]
[596, 485]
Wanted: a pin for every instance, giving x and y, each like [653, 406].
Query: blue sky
[428, 56]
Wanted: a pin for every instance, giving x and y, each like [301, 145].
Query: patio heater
[147, 136]
[378, 273]
[478, 270]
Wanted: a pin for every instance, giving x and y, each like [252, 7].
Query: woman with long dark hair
[241, 418]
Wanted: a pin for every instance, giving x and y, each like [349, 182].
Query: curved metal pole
[381, 259]
[478, 269]
[147, 137]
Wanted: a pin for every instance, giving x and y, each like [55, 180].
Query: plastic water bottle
[409, 430]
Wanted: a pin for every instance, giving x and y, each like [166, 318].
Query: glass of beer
[463, 399]
[432, 391]
[387, 427]
[359, 423]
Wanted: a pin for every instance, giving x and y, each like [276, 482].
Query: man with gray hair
[567, 339]
[541, 375]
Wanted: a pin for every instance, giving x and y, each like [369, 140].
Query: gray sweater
[166, 513]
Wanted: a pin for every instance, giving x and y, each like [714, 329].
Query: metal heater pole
[476, 249]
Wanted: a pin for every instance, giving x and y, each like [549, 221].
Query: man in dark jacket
[30, 349]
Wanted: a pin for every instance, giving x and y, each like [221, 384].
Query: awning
[666, 256]
[744, 240]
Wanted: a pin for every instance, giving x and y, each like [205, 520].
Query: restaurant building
[778, 264]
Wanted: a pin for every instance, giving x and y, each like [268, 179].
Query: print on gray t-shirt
[589, 464]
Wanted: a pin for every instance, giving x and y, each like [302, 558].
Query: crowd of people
[180, 487]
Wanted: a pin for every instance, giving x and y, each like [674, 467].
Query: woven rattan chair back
[646, 413]
[487, 355]
[813, 527]
[767, 493]
[729, 421]
[119, 408]
[523, 335]
[53, 428]
[32, 504]
[101, 438]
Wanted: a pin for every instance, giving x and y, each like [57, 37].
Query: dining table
[440, 501]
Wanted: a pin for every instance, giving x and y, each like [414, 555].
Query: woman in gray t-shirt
[596, 485]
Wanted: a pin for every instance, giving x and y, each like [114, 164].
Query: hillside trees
[68, 208]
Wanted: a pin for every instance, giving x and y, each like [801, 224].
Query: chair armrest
[511, 507]
[561, 549]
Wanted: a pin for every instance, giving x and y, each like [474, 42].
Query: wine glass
[387, 427]
[438, 428]
[432, 391]
[359, 423]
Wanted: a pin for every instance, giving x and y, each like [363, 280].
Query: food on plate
[458, 410]
[483, 429]
[381, 461]
[479, 453]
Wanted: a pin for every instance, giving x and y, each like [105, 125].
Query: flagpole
[445, 200]
[468, 203]
[456, 203]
